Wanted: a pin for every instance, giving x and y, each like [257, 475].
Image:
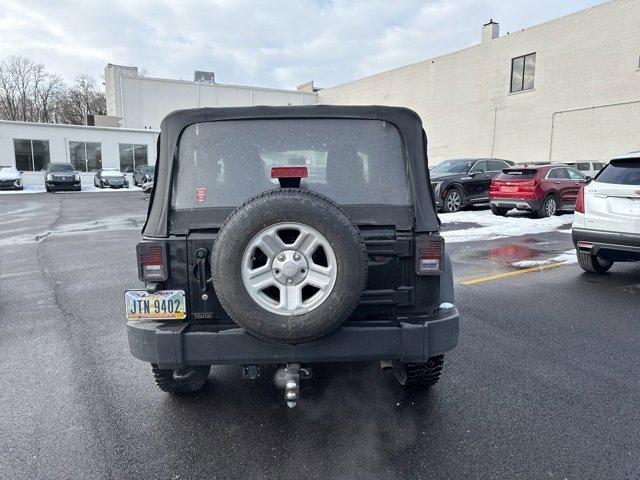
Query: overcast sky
[263, 43]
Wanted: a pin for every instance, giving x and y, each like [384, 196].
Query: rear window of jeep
[351, 161]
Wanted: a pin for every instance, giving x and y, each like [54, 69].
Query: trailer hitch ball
[292, 374]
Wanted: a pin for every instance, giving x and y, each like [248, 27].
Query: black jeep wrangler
[291, 235]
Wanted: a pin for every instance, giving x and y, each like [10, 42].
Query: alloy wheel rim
[453, 201]
[289, 268]
[550, 207]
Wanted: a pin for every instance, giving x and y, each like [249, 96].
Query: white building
[565, 90]
[142, 102]
[32, 146]
[138, 104]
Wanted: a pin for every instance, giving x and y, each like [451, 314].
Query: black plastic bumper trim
[177, 345]
[610, 241]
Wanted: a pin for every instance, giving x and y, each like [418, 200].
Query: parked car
[543, 190]
[110, 177]
[587, 167]
[61, 176]
[248, 267]
[606, 225]
[142, 174]
[10, 178]
[147, 187]
[461, 182]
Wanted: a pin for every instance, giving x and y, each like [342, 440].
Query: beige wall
[587, 59]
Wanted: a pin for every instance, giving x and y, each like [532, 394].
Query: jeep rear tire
[186, 380]
[289, 265]
[419, 375]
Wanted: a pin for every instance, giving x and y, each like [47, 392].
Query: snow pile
[568, 258]
[493, 226]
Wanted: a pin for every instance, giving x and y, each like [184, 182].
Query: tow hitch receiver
[290, 377]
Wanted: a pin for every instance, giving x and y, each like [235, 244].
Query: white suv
[606, 224]
[587, 167]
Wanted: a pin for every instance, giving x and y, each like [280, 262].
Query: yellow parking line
[497, 276]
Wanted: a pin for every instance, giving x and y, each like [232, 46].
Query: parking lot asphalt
[544, 383]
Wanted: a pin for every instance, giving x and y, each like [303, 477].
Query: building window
[85, 156]
[31, 155]
[132, 156]
[523, 70]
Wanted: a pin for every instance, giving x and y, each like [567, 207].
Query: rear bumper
[520, 204]
[177, 345]
[614, 245]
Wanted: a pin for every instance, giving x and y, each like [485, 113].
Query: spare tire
[289, 265]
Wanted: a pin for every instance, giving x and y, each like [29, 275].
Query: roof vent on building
[204, 77]
[490, 31]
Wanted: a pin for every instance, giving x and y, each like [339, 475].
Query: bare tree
[29, 93]
[80, 100]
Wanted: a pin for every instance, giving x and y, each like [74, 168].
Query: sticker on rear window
[201, 194]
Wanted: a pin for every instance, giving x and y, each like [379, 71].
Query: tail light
[429, 254]
[580, 201]
[152, 261]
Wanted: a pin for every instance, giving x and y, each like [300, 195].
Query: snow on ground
[568, 258]
[492, 226]
[85, 188]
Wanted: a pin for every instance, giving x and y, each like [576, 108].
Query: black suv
[61, 176]
[461, 182]
[249, 259]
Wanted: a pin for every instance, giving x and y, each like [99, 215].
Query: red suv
[543, 190]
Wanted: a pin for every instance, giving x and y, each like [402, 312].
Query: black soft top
[407, 121]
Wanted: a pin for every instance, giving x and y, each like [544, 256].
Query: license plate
[162, 305]
[508, 189]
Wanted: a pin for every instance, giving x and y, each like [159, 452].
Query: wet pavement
[500, 255]
[542, 385]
